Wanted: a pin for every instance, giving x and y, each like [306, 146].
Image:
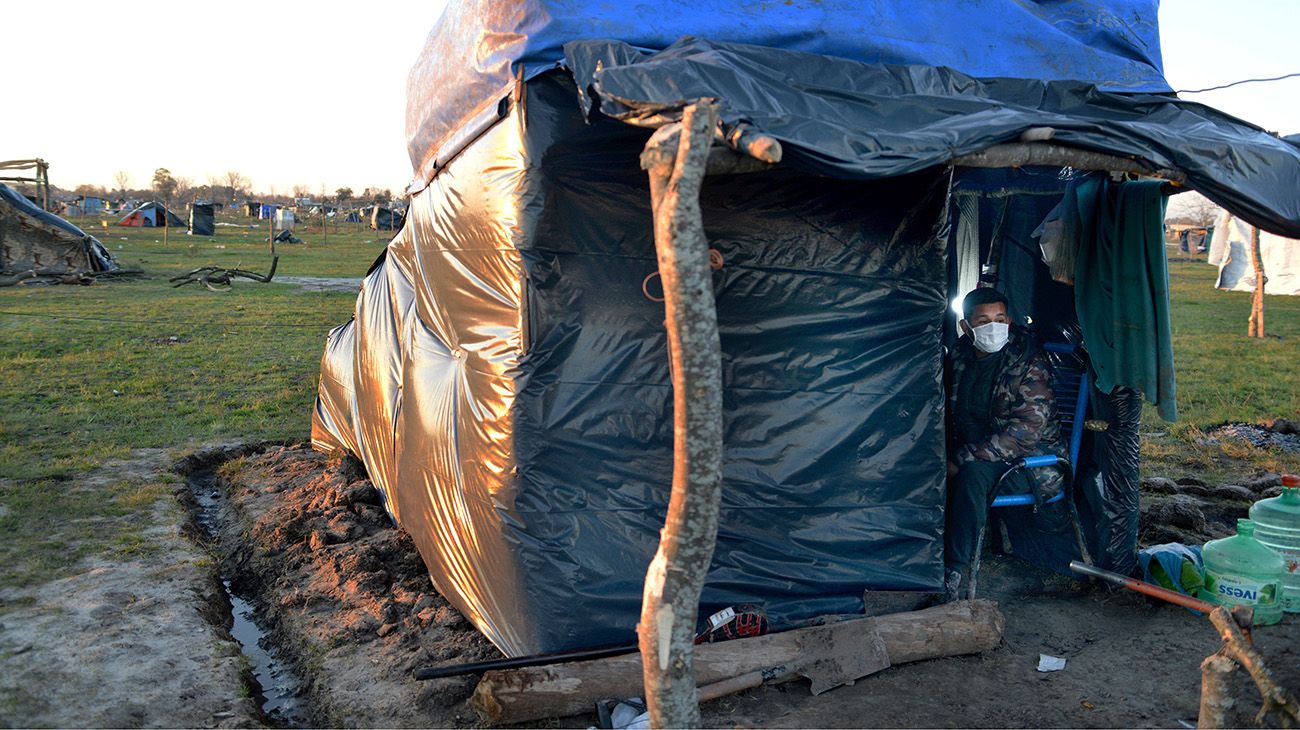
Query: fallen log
[560, 690]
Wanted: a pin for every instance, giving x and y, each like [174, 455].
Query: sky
[313, 93]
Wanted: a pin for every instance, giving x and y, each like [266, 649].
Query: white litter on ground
[1050, 663]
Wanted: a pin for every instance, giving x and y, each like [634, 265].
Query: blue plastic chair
[1071, 387]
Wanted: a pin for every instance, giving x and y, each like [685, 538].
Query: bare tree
[184, 188]
[1193, 208]
[122, 179]
[236, 184]
[301, 191]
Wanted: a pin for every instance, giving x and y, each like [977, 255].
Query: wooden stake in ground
[1237, 650]
[1256, 326]
[676, 575]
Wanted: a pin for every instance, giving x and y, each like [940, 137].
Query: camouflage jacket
[1022, 410]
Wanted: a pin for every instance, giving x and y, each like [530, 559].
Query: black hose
[456, 670]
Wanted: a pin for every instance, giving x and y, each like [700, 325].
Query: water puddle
[277, 689]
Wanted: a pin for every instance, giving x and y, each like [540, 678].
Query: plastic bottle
[1277, 525]
[1239, 570]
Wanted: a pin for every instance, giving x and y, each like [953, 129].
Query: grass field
[1223, 376]
[89, 373]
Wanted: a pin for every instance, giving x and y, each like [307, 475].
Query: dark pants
[969, 494]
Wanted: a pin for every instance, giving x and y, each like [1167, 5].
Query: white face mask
[991, 337]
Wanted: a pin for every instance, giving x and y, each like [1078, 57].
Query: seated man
[1001, 407]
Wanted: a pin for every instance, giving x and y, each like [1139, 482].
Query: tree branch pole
[676, 575]
[1255, 327]
[1216, 697]
[1238, 648]
[1022, 154]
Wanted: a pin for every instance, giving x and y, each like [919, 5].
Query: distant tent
[383, 219]
[252, 209]
[84, 205]
[352, 217]
[151, 215]
[34, 240]
[1230, 251]
[267, 211]
[91, 205]
[202, 221]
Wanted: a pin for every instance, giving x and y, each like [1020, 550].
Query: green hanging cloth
[1121, 288]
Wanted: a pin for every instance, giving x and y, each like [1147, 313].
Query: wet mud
[341, 594]
[273, 682]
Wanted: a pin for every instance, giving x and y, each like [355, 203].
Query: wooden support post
[1255, 327]
[676, 575]
[1237, 649]
[1216, 698]
[530, 694]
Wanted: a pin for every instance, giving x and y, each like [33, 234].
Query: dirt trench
[344, 594]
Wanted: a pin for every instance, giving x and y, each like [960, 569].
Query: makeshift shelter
[267, 211]
[252, 209]
[151, 214]
[284, 219]
[84, 205]
[1191, 238]
[505, 377]
[385, 219]
[202, 219]
[34, 240]
[1230, 251]
[352, 217]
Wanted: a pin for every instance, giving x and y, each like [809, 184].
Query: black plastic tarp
[849, 119]
[506, 382]
[202, 220]
[32, 238]
[384, 219]
[505, 376]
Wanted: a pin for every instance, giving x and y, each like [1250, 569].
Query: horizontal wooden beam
[529, 694]
[1024, 154]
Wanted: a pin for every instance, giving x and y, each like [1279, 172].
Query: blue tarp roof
[478, 46]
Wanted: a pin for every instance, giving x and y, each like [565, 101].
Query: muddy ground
[349, 604]
[132, 643]
[348, 599]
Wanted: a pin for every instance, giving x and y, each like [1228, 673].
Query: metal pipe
[1243, 615]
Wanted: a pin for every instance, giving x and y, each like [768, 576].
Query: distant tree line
[228, 188]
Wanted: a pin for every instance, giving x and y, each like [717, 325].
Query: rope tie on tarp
[715, 262]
